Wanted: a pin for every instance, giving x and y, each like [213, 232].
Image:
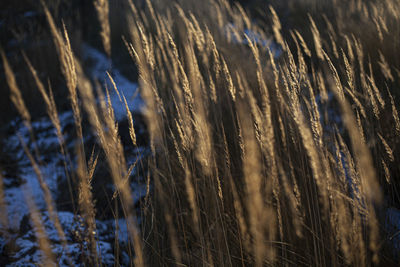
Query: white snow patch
[15, 197]
[101, 64]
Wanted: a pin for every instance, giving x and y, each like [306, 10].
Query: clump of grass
[247, 164]
[199, 96]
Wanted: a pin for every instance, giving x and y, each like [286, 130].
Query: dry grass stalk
[385, 68]
[360, 127]
[338, 83]
[276, 27]
[49, 204]
[48, 258]
[50, 103]
[86, 203]
[303, 44]
[53, 115]
[68, 68]
[102, 8]
[16, 96]
[317, 39]
[376, 91]
[395, 114]
[388, 150]
[130, 120]
[349, 71]
[367, 172]
[258, 213]
[111, 144]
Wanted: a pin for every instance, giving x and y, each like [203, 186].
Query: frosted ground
[25, 187]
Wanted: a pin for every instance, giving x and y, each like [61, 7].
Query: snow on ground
[46, 137]
[129, 89]
[15, 197]
[50, 164]
[29, 253]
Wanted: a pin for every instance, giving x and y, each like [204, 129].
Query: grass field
[272, 128]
